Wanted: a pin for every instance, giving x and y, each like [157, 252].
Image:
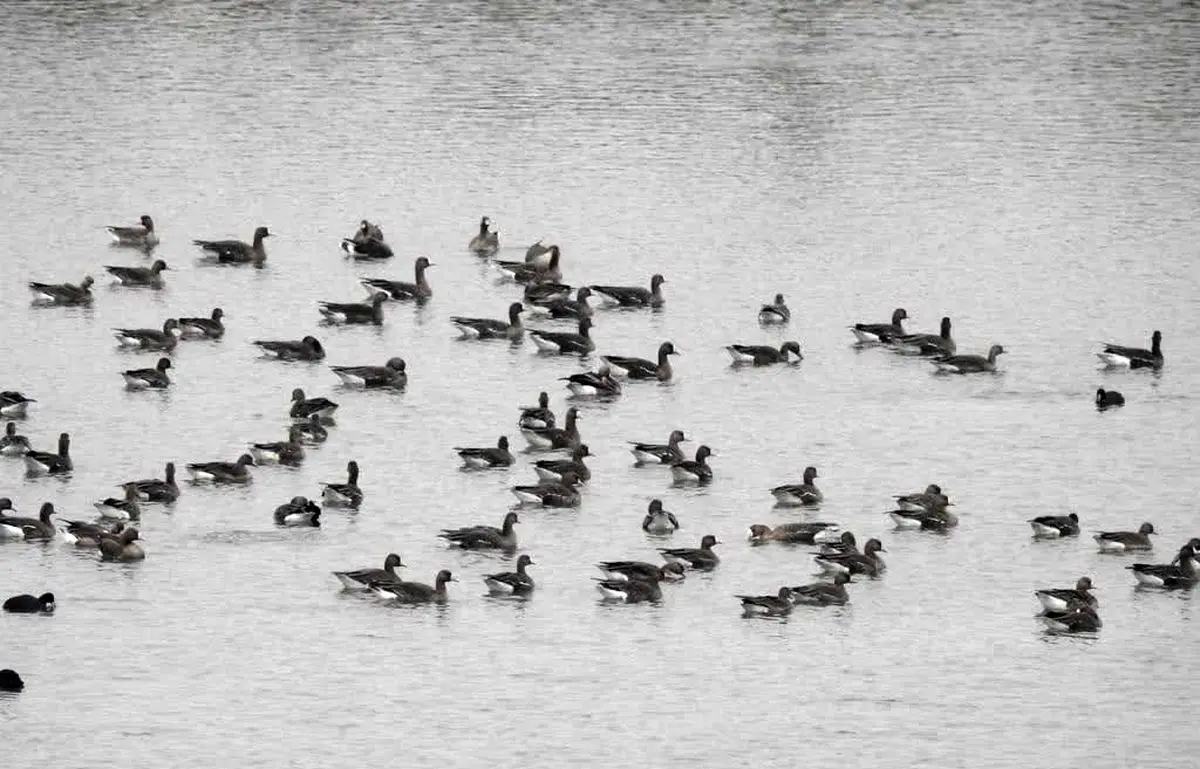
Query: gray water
[1032, 172]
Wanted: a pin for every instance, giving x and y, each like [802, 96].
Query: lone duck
[659, 520]
[45, 463]
[1051, 526]
[1116, 356]
[223, 472]
[236, 251]
[149, 338]
[289, 452]
[391, 374]
[28, 604]
[155, 490]
[1125, 541]
[694, 470]
[700, 558]
[775, 312]
[1172, 576]
[634, 296]
[778, 605]
[354, 313]
[63, 294]
[867, 562]
[799, 533]
[1062, 599]
[799, 494]
[304, 408]
[142, 236]
[416, 592]
[969, 364]
[361, 579]
[13, 404]
[149, 378]
[659, 453]
[139, 277]
[881, 333]
[40, 528]
[940, 344]
[1106, 399]
[485, 242]
[537, 417]
[762, 355]
[488, 457]
[300, 511]
[211, 327]
[516, 583]
[823, 593]
[13, 444]
[640, 368]
[490, 328]
[400, 291]
[485, 537]
[565, 342]
[123, 548]
[346, 494]
[306, 349]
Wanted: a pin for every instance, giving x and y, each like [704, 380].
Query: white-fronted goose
[693, 470]
[123, 547]
[803, 494]
[593, 384]
[45, 463]
[1125, 541]
[149, 378]
[300, 511]
[565, 437]
[125, 509]
[1116, 356]
[778, 605]
[304, 408]
[658, 453]
[306, 349]
[487, 457]
[763, 355]
[288, 452]
[930, 500]
[139, 277]
[346, 494]
[867, 562]
[557, 470]
[881, 333]
[361, 579]
[63, 294]
[312, 432]
[237, 251]
[211, 327]
[928, 344]
[535, 272]
[775, 312]
[13, 444]
[511, 582]
[659, 520]
[1063, 598]
[640, 368]
[354, 313]
[490, 328]
[563, 342]
[223, 472]
[485, 537]
[642, 571]
[537, 417]
[1051, 526]
[1172, 576]
[969, 364]
[485, 242]
[141, 236]
[559, 307]
[88, 535]
[701, 558]
[799, 533]
[149, 338]
[391, 374]
[400, 291]
[14, 404]
[416, 592]
[634, 296]
[15, 527]
[155, 490]
[823, 593]
[562, 493]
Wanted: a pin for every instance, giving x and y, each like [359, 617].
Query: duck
[304, 408]
[593, 384]
[693, 470]
[124, 509]
[346, 494]
[13, 444]
[930, 500]
[556, 470]
[1125, 541]
[392, 374]
[562, 342]
[236, 251]
[487, 457]
[804, 494]
[223, 472]
[1079, 619]
[659, 520]
[13, 527]
[778, 605]
[969, 364]
[28, 604]
[776, 312]
[634, 296]
[1182, 574]
[547, 291]
[538, 417]
[561, 493]
[867, 562]
[367, 231]
[400, 291]
[560, 307]
[629, 590]
[565, 437]
[800, 533]
[211, 327]
[300, 511]
[354, 313]
[486, 242]
[658, 453]
[416, 592]
[148, 378]
[485, 537]
[927, 520]
[489, 328]
[845, 543]
[288, 452]
[1062, 599]
[307, 349]
[139, 277]
[1108, 398]
[940, 344]
[641, 571]
[362, 579]
[700, 558]
[368, 247]
[63, 294]
[45, 463]
[88, 535]
[142, 235]
[312, 432]
[10, 681]
[13, 404]
[881, 333]
[640, 368]
[763, 355]
[538, 252]
[149, 338]
[549, 271]
[823, 593]
[1051, 526]
[517, 582]
[155, 490]
[123, 547]
[1116, 356]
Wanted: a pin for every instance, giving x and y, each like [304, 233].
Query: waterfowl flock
[562, 478]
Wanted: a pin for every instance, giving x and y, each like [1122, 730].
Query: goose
[45, 463]
[88, 535]
[1051, 526]
[125, 509]
[936, 520]
[867, 562]
[763, 355]
[1108, 398]
[1062, 599]
[641, 571]
[10, 681]
[1169, 576]
[123, 547]
[940, 344]
[485, 537]
[535, 272]
[354, 313]
[147, 277]
[148, 378]
[823, 593]
[634, 296]
[556, 470]
[640, 368]
[366, 248]
[560, 307]
[14, 527]
[881, 333]
[63, 294]
[400, 291]
[776, 312]
[700, 558]
[489, 328]
[511, 582]
[138, 236]
[561, 342]
[1079, 619]
[416, 592]
[930, 500]
[546, 292]
[393, 373]
[538, 253]
[803, 533]
[845, 543]
[298, 512]
[969, 364]
[288, 452]
[223, 472]
[149, 338]
[593, 384]
[660, 454]
[154, 490]
[803, 494]
[550, 493]
[304, 408]
[486, 242]
[13, 444]
[629, 590]
[538, 417]
[693, 470]
[658, 520]
[487, 457]
[779, 605]
[28, 604]
[367, 231]
[565, 437]
[362, 579]
[204, 328]
[346, 494]
[236, 251]
[1125, 541]
[312, 432]
[306, 349]
[1116, 356]
[14, 404]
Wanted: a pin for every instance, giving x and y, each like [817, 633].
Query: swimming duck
[88, 535]
[362, 579]
[1062, 599]
[799, 494]
[593, 384]
[634, 296]
[141, 236]
[845, 543]
[346, 494]
[535, 272]
[28, 604]
[936, 520]
[485, 537]
[930, 500]
[640, 368]
[823, 593]
[13, 444]
[298, 512]
[660, 454]
[367, 231]
[312, 432]
[138, 277]
[867, 562]
[486, 242]
[288, 452]
[969, 364]
[560, 307]
[366, 248]
[400, 291]
[204, 328]
[776, 312]
[307, 349]
[154, 490]
[1079, 619]
[125, 509]
[1125, 541]
[537, 417]
[489, 328]
[763, 355]
[1108, 398]
[546, 292]
[940, 344]
[416, 592]
[13, 527]
[618, 571]
[701, 558]
[149, 338]
[800, 533]
[487, 457]
[1051, 526]
[148, 378]
[693, 470]
[561, 493]
[14, 404]
[390, 374]
[354, 313]
[63, 294]
[1167, 576]
[538, 252]
[1116, 356]
[123, 547]
[223, 472]
[10, 681]
[511, 582]
[562, 342]
[565, 437]
[45, 463]
[778, 605]
[304, 408]
[881, 333]
[556, 470]
[236, 251]
[658, 520]
[629, 590]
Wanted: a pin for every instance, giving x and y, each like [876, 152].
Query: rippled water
[1030, 172]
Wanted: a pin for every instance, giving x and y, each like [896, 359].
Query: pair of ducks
[639, 581]
[821, 593]
[144, 236]
[683, 470]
